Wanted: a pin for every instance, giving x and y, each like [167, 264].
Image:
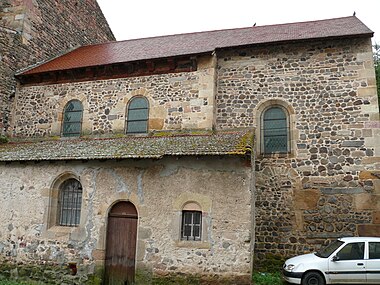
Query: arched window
[191, 228]
[72, 119]
[137, 117]
[70, 203]
[275, 130]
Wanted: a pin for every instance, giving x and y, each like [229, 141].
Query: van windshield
[325, 252]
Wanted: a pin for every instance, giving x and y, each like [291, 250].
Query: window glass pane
[187, 231]
[77, 217]
[187, 217]
[275, 144]
[138, 114]
[275, 125]
[137, 118]
[191, 225]
[73, 116]
[138, 102]
[197, 231]
[137, 127]
[328, 250]
[71, 128]
[72, 119]
[74, 105]
[70, 203]
[352, 251]
[275, 131]
[197, 218]
[274, 113]
[374, 250]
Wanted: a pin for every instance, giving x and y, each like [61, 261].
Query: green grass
[5, 281]
[260, 278]
[9, 282]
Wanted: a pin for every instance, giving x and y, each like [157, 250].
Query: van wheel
[313, 278]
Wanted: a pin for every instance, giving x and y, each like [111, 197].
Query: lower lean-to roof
[222, 143]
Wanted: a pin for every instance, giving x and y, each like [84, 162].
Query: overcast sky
[131, 19]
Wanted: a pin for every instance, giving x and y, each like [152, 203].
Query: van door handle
[360, 263]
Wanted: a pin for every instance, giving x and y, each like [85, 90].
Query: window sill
[69, 138]
[193, 244]
[275, 155]
[60, 232]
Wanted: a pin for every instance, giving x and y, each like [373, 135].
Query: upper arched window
[275, 130]
[70, 203]
[72, 119]
[137, 116]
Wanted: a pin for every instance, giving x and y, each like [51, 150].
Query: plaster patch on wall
[140, 191]
[121, 187]
[90, 241]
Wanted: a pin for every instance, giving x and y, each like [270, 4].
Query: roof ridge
[203, 32]
[228, 29]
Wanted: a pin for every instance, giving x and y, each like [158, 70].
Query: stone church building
[191, 155]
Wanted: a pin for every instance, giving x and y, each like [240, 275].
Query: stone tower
[32, 31]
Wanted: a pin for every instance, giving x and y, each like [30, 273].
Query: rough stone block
[365, 175]
[341, 190]
[98, 254]
[366, 201]
[364, 56]
[325, 235]
[352, 143]
[156, 124]
[368, 91]
[376, 184]
[369, 230]
[376, 217]
[367, 133]
[372, 125]
[306, 199]
[370, 160]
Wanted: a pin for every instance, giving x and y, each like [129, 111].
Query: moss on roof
[221, 143]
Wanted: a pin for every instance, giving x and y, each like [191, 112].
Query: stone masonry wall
[158, 188]
[328, 185]
[34, 31]
[176, 101]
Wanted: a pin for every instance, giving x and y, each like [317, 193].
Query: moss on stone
[3, 139]
[244, 145]
[176, 280]
[172, 133]
[270, 263]
[41, 274]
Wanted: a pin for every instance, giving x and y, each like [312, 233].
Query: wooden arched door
[121, 244]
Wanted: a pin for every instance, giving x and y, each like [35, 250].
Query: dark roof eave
[156, 157]
[25, 74]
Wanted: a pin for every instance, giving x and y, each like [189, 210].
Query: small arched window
[70, 203]
[191, 228]
[275, 130]
[137, 117]
[72, 119]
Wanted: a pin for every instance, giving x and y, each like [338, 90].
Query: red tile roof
[201, 42]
